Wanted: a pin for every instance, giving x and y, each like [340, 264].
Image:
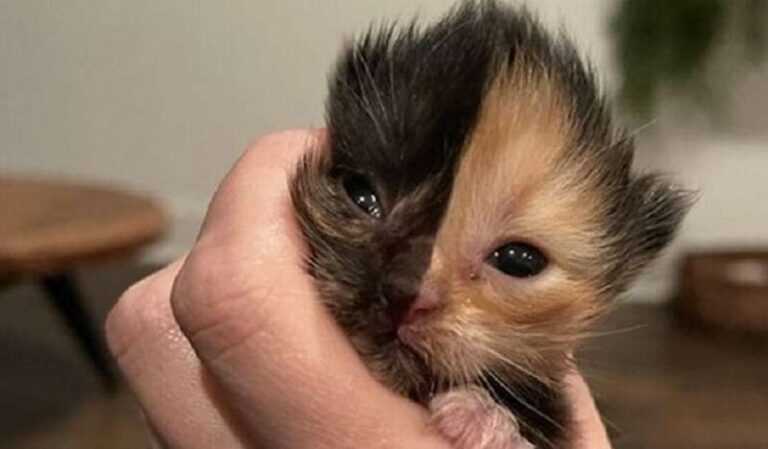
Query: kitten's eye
[518, 259]
[362, 194]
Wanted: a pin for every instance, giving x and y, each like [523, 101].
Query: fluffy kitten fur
[475, 131]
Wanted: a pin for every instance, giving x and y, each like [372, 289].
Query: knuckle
[192, 290]
[217, 306]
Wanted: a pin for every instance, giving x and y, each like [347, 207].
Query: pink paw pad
[470, 419]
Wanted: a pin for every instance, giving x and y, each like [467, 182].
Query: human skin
[229, 347]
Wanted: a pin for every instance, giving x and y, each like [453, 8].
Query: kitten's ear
[645, 222]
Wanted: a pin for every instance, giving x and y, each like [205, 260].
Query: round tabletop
[49, 226]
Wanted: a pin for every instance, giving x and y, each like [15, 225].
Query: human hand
[229, 347]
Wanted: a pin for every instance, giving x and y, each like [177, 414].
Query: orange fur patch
[514, 185]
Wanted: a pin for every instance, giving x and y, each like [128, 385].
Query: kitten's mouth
[410, 337]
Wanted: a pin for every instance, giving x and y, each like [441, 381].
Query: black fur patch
[402, 103]
[403, 100]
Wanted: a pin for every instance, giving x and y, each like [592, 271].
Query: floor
[661, 386]
[664, 385]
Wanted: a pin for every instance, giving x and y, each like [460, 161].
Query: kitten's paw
[470, 419]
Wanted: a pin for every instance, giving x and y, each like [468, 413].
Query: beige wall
[161, 96]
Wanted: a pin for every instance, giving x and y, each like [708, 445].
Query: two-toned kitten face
[473, 209]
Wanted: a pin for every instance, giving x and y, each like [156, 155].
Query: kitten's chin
[437, 374]
[399, 367]
[411, 373]
[416, 360]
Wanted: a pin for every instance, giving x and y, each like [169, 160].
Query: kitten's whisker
[612, 332]
[630, 135]
[514, 365]
[527, 405]
[487, 386]
[558, 340]
[635, 132]
[474, 371]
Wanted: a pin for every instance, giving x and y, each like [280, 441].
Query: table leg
[64, 295]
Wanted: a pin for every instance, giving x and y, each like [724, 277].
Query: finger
[256, 323]
[590, 431]
[163, 370]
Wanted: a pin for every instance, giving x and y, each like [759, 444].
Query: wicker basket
[726, 290]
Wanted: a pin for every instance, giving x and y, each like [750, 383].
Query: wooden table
[49, 228]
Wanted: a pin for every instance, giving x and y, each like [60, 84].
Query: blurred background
[117, 120]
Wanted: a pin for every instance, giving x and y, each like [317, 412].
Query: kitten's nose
[398, 308]
[405, 306]
[398, 296]
[407, 288]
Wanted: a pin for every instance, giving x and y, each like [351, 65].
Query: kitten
[472, 212]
